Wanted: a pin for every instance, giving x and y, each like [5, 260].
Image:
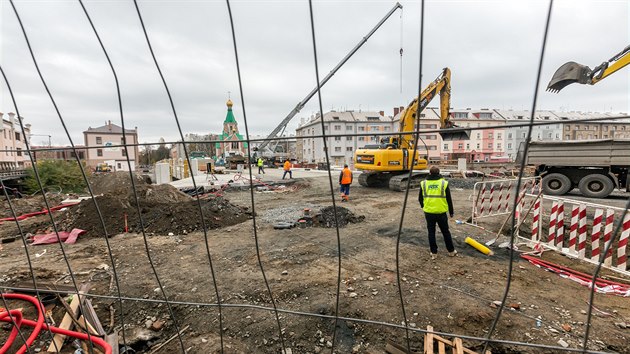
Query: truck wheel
[556, 184]
[596, 186]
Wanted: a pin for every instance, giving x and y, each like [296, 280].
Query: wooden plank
[112, 340]
[441, 348]
[66, 323]
[85, 324]
[92, 318]
[458, 346]
[428, 340]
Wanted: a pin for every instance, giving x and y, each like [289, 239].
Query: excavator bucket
[567, 74]
[457, 134]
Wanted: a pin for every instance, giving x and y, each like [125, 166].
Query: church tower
[230, 137]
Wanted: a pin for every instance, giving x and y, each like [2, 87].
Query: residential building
[13, 142]
[231, 141]
[484, 144]
[605, 129]
[104, 145]
[515, 134]
[342, 127]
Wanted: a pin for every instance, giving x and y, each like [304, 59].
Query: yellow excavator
[388, 164]
[572, 72]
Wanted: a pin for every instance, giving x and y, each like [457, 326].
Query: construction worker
[287, 169]
[345, 180]
[435, 200]
[260, 164]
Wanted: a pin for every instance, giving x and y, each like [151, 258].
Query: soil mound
[326, 217]
[29, 204]
[164, 209]
[159, 216]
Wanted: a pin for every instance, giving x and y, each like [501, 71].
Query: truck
[595, 167]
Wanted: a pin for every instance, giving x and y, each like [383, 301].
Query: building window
[489, 135]
[337, 138]
[99, 152]
[348, 128]
[566, 127]
[467, 146]
[431, 147]
[509, 145]
[348, 138]
[509, 135]
[337, 127]
[446, 147]
[557, 135]
[18, 151]
[99, 140]
[235, 145]
[461, 115]
[337, 149]
[567, 137]
[485, 115]
[119, 166]
[478, 135]
[577, 127]
[386, 129]
[498, 146]
[124, 152]
[349, 148]
[498, 135]
[361, 138]
[489, 145]
[478, 146]
[325, 128]
[17, 136]
[361, 129]
[605, 128]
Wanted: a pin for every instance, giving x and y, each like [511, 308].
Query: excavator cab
[567, 74]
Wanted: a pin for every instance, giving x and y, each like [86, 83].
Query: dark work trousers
[442, 221]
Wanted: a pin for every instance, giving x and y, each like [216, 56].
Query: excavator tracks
[395, 182]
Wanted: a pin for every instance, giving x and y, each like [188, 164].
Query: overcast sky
[492, 48]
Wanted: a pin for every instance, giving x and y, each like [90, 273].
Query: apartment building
[310, 144]
[605, 129]
[515, 134]
[104, 146]
[483, 145]
[13, 142]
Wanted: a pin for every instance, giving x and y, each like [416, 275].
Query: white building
[13, 142]
[104, 145]
[341, 148]
[516, 135]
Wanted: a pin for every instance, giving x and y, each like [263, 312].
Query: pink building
[483, 144]
[104, 145]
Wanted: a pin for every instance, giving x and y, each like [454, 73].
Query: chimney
[11, 118]
[396, 111]
[109, 125]
[382, 113]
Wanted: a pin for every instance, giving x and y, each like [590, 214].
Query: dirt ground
[453, 295]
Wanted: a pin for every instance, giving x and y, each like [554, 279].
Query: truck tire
[596, 186]
[556, 184]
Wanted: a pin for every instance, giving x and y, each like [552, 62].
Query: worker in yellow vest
[435, 200]
[287, 169]
[345, 180]
[261, 167]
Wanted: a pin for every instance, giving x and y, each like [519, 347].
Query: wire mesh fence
[236, 287]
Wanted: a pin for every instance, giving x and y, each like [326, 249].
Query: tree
[56, 174]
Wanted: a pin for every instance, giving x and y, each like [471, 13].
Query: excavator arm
[573, 72]
[440, 86]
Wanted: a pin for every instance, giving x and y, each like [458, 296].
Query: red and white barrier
[493, 197]
[583, 216]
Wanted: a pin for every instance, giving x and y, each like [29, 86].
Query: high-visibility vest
[346, 177]
[260, 162]
[287, 166]
[434, 195]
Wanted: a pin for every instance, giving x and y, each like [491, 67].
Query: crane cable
[401, 50]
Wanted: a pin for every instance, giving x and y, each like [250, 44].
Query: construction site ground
[452, 294]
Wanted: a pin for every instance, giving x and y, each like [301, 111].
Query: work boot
[452, 254]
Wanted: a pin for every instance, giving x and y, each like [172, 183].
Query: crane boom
[301, 104]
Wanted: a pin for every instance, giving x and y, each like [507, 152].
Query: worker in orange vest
[345, 180]
[287, 169]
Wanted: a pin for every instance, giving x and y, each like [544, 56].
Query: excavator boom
[572, 72]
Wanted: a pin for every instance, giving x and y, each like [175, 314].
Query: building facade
[484, 144]
[13, 142]
[104, 146]
[341, 147]
[63, 153]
